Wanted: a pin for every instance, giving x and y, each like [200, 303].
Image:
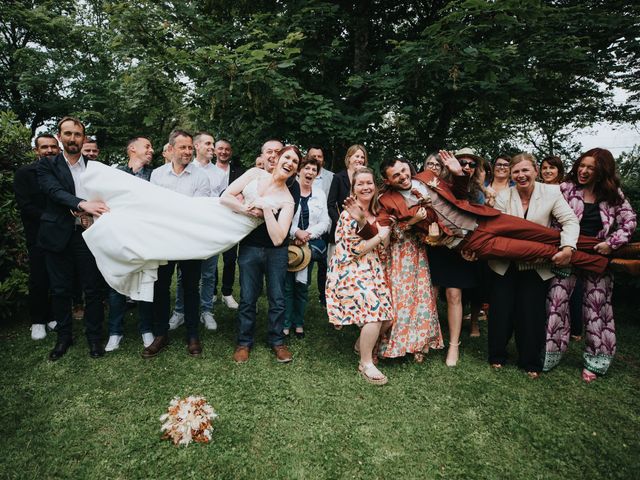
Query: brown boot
[158, 344]
[283, 355]
[194, 347]
[631, 267]
[241, 355]
[630, 250]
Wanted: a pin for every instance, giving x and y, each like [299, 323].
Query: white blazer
[546, 204]
[319, 221]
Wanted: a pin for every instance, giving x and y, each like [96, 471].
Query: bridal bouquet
[188, 419]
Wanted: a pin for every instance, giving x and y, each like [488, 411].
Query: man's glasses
[464, 163]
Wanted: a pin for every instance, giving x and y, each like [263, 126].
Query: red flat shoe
[588, 376]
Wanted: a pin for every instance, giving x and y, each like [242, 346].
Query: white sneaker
[176, 320]
[113, 343]
[52, 325]
[38, 332]
[230, 302]
[208, 320]
[147, 339]
[215, 299]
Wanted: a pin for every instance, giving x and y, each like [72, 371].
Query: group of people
[514, 238]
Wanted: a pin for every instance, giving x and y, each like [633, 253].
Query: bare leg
[454, 315]
[368, 339]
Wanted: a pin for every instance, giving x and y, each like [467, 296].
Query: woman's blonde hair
[522, 157]
[352, 150]
[374, 206]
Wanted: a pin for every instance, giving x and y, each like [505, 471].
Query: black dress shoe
[60, 349]
[96, 350]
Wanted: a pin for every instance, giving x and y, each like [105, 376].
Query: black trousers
[39, 300]
[190, 272]
[229, 259]
[61, 267]
[518, 305]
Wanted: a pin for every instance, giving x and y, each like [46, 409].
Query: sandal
[372, 375]
[533, 375]
[496, 366]
[588, 376]
[418, 357]
[448, 362]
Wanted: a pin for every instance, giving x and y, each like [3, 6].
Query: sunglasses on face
[464, 163]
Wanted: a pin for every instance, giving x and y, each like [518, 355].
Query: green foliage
[401, 77]
[14, 151]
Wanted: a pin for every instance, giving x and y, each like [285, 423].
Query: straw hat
[469, 153]
[299, 257]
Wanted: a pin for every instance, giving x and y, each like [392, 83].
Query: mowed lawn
[314, 418]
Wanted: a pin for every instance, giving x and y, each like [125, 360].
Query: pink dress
[416, 327]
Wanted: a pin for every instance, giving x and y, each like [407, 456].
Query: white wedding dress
[148, 225]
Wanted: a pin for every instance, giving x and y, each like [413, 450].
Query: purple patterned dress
[619, 223]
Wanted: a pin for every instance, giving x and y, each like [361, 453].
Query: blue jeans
[118, 308]
[208, 273]
[297, 295]
[257, 263]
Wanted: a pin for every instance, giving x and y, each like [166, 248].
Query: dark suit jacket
[57, 222]
[30, 199]
[339, 191]
[235, 170]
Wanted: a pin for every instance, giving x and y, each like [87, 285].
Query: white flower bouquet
[188, 419]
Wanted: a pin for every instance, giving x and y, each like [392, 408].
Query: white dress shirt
[192, 181]
[323, 181]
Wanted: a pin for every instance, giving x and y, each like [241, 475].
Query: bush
[15, 150]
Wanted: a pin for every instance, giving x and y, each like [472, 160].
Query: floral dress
[356, 289]
[415, 328]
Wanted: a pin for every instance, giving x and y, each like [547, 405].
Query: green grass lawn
[314, 418]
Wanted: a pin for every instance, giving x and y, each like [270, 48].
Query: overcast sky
[617, 138]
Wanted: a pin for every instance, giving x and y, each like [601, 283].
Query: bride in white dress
[148, 225]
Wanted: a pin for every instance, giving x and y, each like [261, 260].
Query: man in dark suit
[60, 236]
[31, 203]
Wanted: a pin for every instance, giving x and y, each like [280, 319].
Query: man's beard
[72, 148]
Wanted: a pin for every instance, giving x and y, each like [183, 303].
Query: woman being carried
[148, 225]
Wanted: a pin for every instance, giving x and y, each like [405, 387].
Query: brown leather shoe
[158, 344]
[283, 355]
[194, 347]
[241, 355]
[631, 267]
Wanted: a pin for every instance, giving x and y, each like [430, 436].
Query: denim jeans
[118, 309]
[161, 297]
[208, 273]
[297, 295]
[257, 263]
